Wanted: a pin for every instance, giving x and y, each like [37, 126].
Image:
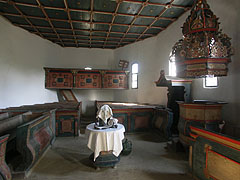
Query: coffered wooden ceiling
[94, 23]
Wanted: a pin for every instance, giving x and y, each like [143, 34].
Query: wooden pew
[214, 155]
[33, 139]
[5, 172]
[67, 115]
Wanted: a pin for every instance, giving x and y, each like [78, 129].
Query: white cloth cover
[105, 140]
[104, 113]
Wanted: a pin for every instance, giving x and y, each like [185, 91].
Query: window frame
[211, 86]
[134, 74]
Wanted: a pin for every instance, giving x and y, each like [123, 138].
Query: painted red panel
[88, 79]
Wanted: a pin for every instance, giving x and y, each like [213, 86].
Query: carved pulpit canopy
[204, 49]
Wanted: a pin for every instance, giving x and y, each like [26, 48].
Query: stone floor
[149, 160]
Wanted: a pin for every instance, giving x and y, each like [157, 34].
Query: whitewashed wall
[152, 55]
[22, 58]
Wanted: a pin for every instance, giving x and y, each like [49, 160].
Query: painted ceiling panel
[119, 28]
[7, 8]
[162, 23]
[123, 19]
[56, 14]
[173, 12]
[143, 21]
[151, 10]
[17, 20]
[53, 3]
[82, 16]
[94, 23]
[79, 4]
[129, 8]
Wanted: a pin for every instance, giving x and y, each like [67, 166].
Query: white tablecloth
[105, 140]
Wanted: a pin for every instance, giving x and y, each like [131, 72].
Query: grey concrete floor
[149, 160]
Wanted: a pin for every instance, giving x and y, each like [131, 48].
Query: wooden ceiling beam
[111, 41]
[154, 4]
[80, 30]
[79, 21]
[77, 35]
[70, 21]
[160, 14]
[97, 12]
[113, 19]
[91, 21]
[134, 19]
[49, 21]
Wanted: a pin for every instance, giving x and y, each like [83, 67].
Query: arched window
[134, 71]
[172, 66]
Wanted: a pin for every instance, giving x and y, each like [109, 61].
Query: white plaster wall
[152, 55]
[22, 58]
[229, 86]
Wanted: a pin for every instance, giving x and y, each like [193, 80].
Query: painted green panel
[68, 41]
[102, 17]
[153, 31]
[101, 27]
[7, 8]
[29, 29]
[145, 36]
[39, 22]
[56, 14]
[64, 31]
[53, 3]
[84, 46]
[129, 8]
[50, 36]
[83, 41]
[97, 43]
[96, 46]
[99, 34]
[17, 20]
[105, 5]
[123, 19]
[162, 23]
[98, 38]
[45, 30]
[112, 43]
[143, 21]
[128, 40]
[69, 44]
[173, 12]
[31, 11]
[79, 4]
[110, 47]
[82, 32]
[114, 39]
[119, 28]
[27, 1]
[81, 25]
[160, 1]
[131, 36]
[82, 38]
[183, 2]
[60, 24]
[152, 10]
[82, 16]
[67, 37]
[136, 29]
[115, 35]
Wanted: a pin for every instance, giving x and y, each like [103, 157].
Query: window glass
[210, 82]
[134, 76]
